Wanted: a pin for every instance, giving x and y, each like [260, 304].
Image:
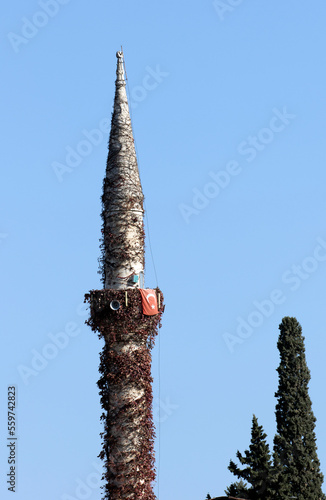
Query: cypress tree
[258, 470]
[296, 465]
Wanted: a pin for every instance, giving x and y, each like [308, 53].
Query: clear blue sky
[232, 94]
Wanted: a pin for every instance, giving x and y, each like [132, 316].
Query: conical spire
[123, 234]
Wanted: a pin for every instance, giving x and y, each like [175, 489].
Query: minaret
[127, 316]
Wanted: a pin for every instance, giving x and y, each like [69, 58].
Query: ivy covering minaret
[295, 450]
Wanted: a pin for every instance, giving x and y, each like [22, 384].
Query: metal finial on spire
[120, 67]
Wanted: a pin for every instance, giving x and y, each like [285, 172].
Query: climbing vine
[122, 243]
[126, 391]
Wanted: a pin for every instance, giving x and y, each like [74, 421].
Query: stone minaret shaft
[116, 314]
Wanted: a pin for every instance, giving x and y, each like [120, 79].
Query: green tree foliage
[295, 470]
[258, 467]
[296, 465]
[237, 489]
[208, 497]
